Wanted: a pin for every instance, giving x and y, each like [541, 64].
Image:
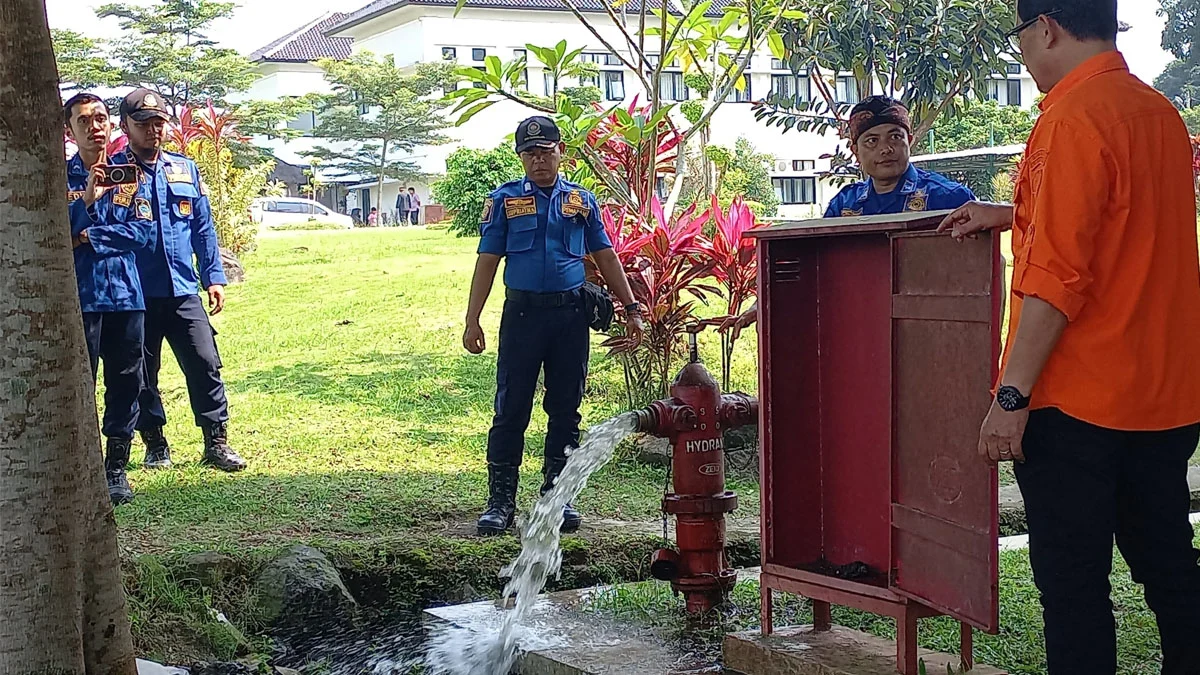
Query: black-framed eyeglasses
[1014, 35]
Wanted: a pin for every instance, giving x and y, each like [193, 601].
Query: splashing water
[460, 652]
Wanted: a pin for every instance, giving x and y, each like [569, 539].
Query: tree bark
[62, 607]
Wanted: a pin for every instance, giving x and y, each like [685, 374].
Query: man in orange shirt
[1099, 396]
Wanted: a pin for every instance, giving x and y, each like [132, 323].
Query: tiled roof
[308, 43]
[380, 7]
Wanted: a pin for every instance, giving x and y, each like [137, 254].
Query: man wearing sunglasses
[1098, 401]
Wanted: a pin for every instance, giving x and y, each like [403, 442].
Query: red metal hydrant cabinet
[878, 344]
[695, 419]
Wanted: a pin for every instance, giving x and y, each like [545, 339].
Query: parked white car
[274, 212]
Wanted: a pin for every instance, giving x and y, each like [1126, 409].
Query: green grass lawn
[356, 406]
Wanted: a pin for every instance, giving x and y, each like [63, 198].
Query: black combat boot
[572, 519]
[502, 500]
[158, 451]
[217, 452]
[116, 456]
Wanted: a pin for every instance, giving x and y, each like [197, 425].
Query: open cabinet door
[945, 348]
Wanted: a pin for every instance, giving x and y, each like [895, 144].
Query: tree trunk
[382, 170]
[62, 608]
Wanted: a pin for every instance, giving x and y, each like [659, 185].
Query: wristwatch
[633, 308]
[1011, 399]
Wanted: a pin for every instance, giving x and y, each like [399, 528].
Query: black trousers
[1084, 485]
[185, 326]
[535, 340]
[116, 338]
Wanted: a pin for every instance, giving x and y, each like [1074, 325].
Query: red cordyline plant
[734, 265]
[207, 124]
[664, 264]
[623, 140]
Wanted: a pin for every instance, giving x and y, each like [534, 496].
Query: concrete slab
[841, 651]
[565, 640]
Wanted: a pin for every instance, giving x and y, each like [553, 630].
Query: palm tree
[62, 608]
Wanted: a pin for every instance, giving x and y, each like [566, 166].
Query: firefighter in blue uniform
[174, 312]
[881, 139]
[544, 226]
[107, 225]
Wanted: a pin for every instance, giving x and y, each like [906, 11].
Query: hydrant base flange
[694, 505]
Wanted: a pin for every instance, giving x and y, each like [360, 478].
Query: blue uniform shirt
[184, 222]
[543, 236]
[919, 190]
[117, 225]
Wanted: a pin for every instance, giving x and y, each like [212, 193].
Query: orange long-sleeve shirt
[1105, 231]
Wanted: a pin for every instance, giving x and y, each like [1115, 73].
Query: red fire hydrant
[695, 419]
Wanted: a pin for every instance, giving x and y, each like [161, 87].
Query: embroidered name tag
[122, 199]
[488, 205]
[72, 195]
[520, 206]
[574, 205]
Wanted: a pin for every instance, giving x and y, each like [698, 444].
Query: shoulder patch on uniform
[488, 205]
[515, 207]
[143, 209]
[574, 205]
[203, 187]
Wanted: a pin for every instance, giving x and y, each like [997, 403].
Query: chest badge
[515, 207]
[185, 207]
[851, 213]
[574, 205]
[916, 202]
[143, 209]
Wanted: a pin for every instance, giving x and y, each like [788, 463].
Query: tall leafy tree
[377, 115]
[82, 63]
[930, 53]
[62, 607]
[1180, 81]
[166, 47]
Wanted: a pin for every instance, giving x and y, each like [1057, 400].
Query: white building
[413, 31]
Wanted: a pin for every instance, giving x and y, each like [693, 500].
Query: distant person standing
[543, 226]
[402, 207]
[185, 236]
[1098, 401]
[373, 217]
[414, 207]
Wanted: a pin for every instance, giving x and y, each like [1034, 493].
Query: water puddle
[457, 651]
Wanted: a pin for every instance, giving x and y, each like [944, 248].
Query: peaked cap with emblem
[143, 104]
[537, 132]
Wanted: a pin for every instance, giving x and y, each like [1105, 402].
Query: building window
[847, 89]
[362, 108]
[794, 88]
[742, 95]
[795, 190]
[614, 85]
[548, 82]
[1014, 69]
[305, 121]
[601, 58]
[478, 54]
[1004, 92]
[778, 64]
[477, 84]
[804, 165]
[522, 55]
[671, 87]
[449, 54]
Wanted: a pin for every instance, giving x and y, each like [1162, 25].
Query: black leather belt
[543, 300]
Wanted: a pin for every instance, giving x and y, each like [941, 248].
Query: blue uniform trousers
[533, 339]
[185, 326]
[116, 338]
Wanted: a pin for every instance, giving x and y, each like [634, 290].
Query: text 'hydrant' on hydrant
[694, 419]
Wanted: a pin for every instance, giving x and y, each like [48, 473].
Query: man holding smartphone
[108, 223]
[174, 312]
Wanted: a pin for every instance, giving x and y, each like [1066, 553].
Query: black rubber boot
[502, 500]
[572, 519]
[217, 452]
[158, 451]
[116, 456]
